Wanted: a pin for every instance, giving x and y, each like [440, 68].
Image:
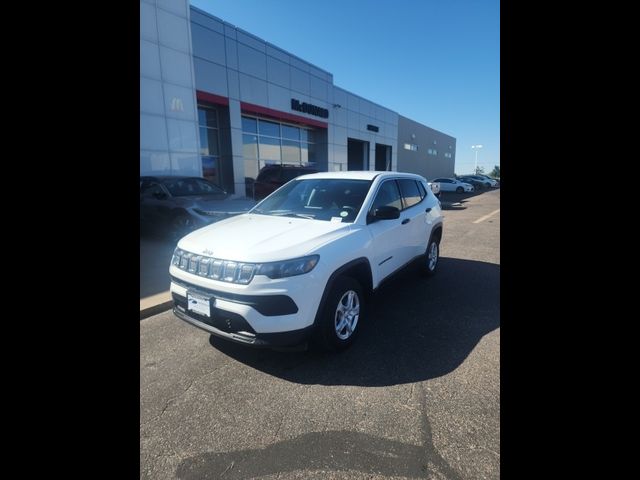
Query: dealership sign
[308, 108]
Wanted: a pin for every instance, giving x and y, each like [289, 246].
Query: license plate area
[200, 304]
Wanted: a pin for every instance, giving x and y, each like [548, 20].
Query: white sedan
[435, 188]
[453, 185]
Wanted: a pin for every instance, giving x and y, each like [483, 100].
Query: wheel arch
[359, 269]
[436, 233]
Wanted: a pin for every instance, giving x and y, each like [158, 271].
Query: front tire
[431, 258]
[460, 190]
[342, 315]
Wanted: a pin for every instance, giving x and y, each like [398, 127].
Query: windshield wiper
[289, 213]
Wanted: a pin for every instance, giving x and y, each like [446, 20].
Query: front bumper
[279, 339]
[263, 313]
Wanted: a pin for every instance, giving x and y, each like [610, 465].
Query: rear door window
[410, 192]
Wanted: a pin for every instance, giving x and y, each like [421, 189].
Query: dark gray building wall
[421, 161]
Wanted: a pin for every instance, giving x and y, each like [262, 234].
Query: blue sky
[436, 62]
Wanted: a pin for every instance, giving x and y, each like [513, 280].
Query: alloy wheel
[347, 314]
[432, 256]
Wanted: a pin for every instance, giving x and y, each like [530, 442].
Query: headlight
[288, 268]
[177, 256]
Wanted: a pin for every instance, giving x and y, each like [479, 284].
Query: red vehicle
[272, 177]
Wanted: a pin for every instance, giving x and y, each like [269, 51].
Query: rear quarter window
[423, 191]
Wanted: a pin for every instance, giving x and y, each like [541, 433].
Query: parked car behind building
[272, 177]
[453, 185]
[435, 188]
[492, 181]
[177, 205]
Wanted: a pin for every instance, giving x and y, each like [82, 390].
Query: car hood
[262, 238]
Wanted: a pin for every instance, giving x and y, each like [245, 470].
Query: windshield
[182, 187]
[327, 199]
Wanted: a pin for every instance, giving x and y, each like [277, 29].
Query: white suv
[302, 262]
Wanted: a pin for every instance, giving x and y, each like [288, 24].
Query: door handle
[428, 210]
[405, 221]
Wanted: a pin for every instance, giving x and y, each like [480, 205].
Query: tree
[479, 170]
[496, 172]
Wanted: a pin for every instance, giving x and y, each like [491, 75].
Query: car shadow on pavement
[456, 201]
[417, 329]
[453, 197]
[452, 205]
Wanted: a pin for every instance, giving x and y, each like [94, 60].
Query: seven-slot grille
[209, 267]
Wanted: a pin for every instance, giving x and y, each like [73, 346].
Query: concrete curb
[155, 309]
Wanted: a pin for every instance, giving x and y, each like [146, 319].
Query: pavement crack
[478, 423]
[410, 394]
[228, 468]
[489, 450]
[173, 399]
[408, 404]
[432, 454]
[275, 436]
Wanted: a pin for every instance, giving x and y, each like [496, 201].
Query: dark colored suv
[272, 177]
[475, 181]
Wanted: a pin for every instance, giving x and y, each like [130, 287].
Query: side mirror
[384, 213]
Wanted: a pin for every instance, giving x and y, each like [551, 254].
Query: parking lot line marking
[481, 219]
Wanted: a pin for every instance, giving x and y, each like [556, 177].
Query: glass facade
[268, 142]
[209, 143]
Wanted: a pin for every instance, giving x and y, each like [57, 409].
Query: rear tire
[342, 314]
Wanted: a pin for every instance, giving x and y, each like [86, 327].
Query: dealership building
[219, 102]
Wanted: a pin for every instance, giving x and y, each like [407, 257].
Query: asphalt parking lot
[417, 396]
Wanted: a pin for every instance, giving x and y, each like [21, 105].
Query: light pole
[476, 148]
